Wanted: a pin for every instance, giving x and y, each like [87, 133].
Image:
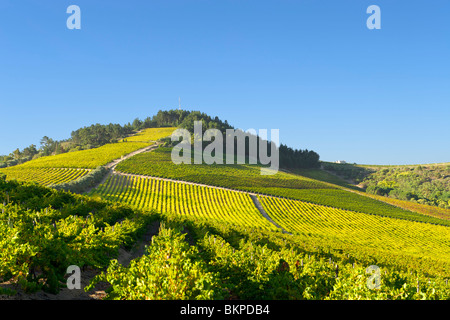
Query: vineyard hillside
[283, 184]
[70, 166]
[210, 231]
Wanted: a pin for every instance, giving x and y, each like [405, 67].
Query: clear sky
[311, 69]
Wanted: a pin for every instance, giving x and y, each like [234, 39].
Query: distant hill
[424, 184]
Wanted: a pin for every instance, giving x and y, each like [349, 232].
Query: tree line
[289, 158]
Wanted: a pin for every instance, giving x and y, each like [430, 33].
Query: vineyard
[383, 235]
[232, 251]
[344, 199]
[66, 167]
[247, 178]
[150, 135]
[44, 176]
[426, 244]
[212, 242]
[89, 159]
[222, 261]
[183, 199]
[43, 231]
[93, 158]
[159, 164]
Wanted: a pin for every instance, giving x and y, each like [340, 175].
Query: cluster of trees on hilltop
[181, 118]
[170, 118]
[97, 135]
[289, 158]
[296, 158]
[207, 122]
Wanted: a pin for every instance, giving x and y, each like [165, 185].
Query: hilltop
[210, 231]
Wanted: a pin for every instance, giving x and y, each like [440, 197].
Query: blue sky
[309, 68]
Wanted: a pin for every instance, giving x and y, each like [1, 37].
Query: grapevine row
[44, 176]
